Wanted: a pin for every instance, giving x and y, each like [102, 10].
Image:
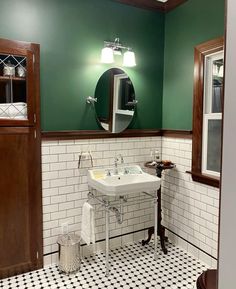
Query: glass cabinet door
[15, 76]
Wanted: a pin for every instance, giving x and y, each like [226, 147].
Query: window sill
[205, 179]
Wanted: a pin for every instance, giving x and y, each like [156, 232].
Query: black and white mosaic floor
[132, 266]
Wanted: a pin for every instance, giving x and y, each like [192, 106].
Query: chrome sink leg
[107, 241]
[155, 227]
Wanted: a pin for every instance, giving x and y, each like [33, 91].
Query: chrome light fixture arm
[115, 47]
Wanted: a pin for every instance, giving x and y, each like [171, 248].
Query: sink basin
[129, 180]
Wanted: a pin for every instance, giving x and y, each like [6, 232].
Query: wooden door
[20, 217]
[20, 161]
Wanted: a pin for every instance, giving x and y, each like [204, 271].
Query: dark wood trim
[37, 197]
[16, 270]
[205, 179]
[200, 52]
[177, 133]
[153, 4]
[95, 134]
[14, 130]
[172, 4]
[210, 46]
[145, 4]
[16, 46]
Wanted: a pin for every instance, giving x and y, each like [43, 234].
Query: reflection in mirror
[115, 100]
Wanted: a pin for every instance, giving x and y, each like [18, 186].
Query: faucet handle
[108, 173]
[126, 171]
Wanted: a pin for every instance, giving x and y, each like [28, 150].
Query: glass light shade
[129, 59]
[107, 55]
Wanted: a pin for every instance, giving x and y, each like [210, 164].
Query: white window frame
[207, 106]
[206, 118]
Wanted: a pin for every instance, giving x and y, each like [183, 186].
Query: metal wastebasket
[69, 253]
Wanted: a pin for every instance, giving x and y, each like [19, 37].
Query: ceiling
[159, 5]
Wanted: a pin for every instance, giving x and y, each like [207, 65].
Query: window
[212, 114]
[207, 112]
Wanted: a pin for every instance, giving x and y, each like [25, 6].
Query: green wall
[71, 35]
[190, 24]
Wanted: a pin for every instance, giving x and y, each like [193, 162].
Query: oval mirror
[115, 100]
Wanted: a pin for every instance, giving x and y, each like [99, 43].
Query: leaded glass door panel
[16, 88]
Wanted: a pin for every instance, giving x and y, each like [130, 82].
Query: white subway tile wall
[190, 209]
[65, 189]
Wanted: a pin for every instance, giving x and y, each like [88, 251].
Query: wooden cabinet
[18, 90]
[20, 160]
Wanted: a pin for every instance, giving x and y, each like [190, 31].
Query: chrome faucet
[116, 163]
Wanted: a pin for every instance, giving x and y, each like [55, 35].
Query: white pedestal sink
[129, 180]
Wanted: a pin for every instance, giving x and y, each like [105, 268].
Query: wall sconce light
[129, 59]
[107, 55]
[115, 48]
